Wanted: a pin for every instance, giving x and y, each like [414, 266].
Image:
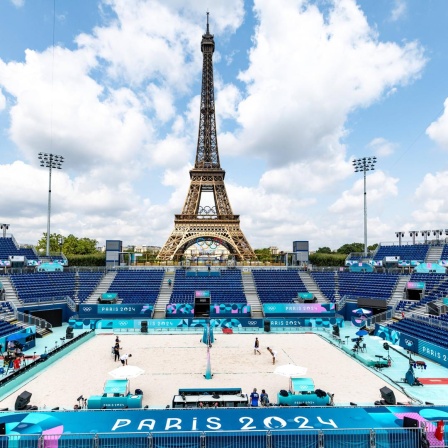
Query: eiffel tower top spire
[207, 156]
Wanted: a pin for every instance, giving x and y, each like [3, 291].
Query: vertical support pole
[49, 210]
[208, 371]
[320, 439]
[269, 439]
[365, 213]
[372, 439]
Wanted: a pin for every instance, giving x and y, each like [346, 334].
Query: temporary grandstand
[58, 320]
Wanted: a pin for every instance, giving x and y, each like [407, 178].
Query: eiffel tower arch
[207, 213]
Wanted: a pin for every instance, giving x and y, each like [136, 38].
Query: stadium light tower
[52, 162]
[425, 234]
[437, 234]
[399, 235]
[363, 165]
[413, 234]
[4, 227]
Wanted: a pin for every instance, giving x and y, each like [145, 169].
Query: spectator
[254, 398]
[264, 398]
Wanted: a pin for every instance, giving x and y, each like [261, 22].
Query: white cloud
[438, 130]
[379, 187]
[113, 110]
[399, 10]
[430, 195]
[18, 3]
[308, 72]
[382, 147]
[2, 101]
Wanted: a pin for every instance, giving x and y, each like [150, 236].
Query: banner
[202, 294]
[271, 309]
[215, 420]
[306, 295]
[115, 310]
[242, 322]
[415, 285]
[324, 322]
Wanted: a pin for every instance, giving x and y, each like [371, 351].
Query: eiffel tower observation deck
[207, 217]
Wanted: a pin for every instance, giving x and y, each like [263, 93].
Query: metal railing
[381, 317]
[326, 438]
[71, 303]
[430, 321]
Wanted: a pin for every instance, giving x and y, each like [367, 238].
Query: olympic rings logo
[408, 342]
[208, 243]
[122, 323]
[86, 308]
[272, 308]
[252, 322]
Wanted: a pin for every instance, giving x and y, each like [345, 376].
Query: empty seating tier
[139, 286]
[224, 288]
[9, 248]
[416, 252]
[366, 285]
[276, 286]
[39, 286]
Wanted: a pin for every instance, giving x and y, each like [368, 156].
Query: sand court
[178, 361]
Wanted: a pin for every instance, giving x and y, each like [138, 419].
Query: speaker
[388, 396]
[409, 422]
[2, 429]
[144, 326]
[69, 332]
[336, 331]
[267, 326]
[22, 401]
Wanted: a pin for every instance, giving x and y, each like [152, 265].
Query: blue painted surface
[247, 419]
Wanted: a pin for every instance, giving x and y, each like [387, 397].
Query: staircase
[164, 295]
[434, 254]
[398, 292]
[337, 296]
[10, 292]
[252, 298]
[102, 287]
[311, 286]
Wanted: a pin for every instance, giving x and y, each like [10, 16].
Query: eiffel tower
[213, 224]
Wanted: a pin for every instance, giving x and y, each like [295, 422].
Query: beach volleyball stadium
[208, 347]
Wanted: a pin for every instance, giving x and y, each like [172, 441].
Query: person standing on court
[117, 352]
[273, 353]
[256, 347]
[254, 398]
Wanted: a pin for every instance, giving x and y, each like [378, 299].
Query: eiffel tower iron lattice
[200, 222]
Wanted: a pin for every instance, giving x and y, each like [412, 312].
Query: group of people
[257, 399]
[13, 357]
[270, 350]
[116, 352]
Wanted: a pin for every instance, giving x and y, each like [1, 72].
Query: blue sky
[301, 88]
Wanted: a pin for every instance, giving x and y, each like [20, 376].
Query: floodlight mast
[50, 161]
[363, 165]
[399, 235]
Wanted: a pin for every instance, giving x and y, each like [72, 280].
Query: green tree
[327, 259]
[71, 244]
[348, 248]
[324, 250]
[54, 243]
[372, 247]
[263, 254]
